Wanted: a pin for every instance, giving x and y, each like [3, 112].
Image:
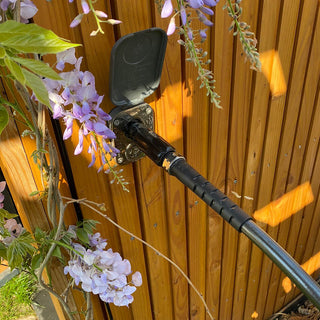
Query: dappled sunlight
[284, 207]
[310, 267]
[170, 114]
[272, 69]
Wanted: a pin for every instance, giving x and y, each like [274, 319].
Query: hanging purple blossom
[102, 272]
[74, 98]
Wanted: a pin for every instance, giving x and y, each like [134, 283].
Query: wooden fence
[261, 145]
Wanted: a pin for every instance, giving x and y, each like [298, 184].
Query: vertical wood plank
[195, 117]
[267, 39]
[241, 104]
[222, 56]
[170, 127]
[300, 159]
[150, 184]
[256, 277]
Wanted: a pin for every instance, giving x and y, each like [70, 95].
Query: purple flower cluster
[202, 8]
[102, 272]
[75, 98]
[27, 8]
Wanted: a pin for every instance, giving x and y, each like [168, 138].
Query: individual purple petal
[103, 115]
[210, 3]
[204, 19]
[122, 301]
[93, 160]
[86, 108]
[89, 125]
[4, 5]
[66, 56]
[171, 27]
[78, 63]
[76, 110]
[60, 65]
[93, 143]
[2, 185]
[88, 78]
[113, 21]
[183, 15]
[27, 9]
[203, 34]
[137, 279]
[57, 111]
[207, 11]
[167, 9]
[190, 34]
[85, 6]
[76, 21]
[79, 147]
[123, 266]
[103, 130]
[68, 132]
[101, 14]
[196, 4]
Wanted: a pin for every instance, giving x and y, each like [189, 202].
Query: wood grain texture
[170, 126]
[237, 144]
[257, 285]
[293, 105]
[258, 146]
[218, 144]
[260, 105]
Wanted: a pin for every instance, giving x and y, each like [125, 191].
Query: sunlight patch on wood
[284, 207]
[272, 69]
[309, 267]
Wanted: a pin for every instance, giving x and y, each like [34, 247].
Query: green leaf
[39, 234]
[19, 249]
[57, 252]
[34, 193]
[4, 214]
[15, 70]
[30, 38]
[89, 225]
[2, 53]
[37, 86]
[38, 67]
[36, 261]
[82, 236]
[4, 118]
[3, 251]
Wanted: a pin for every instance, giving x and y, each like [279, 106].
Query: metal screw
[120, 160]
[116, 122]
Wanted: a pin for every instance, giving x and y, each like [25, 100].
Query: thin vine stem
[85, 203]
[46, 260]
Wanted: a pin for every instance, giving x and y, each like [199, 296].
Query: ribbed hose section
[212, 196]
